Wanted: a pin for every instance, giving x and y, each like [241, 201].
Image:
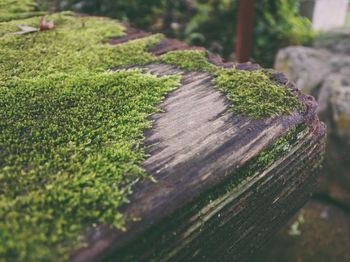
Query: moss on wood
[72, 131]
[252, 93]
[191, 60]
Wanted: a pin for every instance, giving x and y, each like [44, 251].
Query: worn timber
[221, 178]
[207, 204]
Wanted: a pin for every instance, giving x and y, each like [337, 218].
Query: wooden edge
[104, 240]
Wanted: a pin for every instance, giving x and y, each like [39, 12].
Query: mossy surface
[252, 93]
[191, 60]
[72, 131]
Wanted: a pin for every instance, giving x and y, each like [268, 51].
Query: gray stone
[337, 88]
[305, 66]
[325, 75]
[336, 41]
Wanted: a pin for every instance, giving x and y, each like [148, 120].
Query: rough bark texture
[215, 198]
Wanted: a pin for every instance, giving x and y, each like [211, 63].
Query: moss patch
[252, 93]
[70, 150]
[71, 132]
[73, 47]
[191, 60]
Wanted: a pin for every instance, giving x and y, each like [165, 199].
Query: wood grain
[197, 147]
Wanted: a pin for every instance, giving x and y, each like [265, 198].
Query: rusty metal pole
[244, 33]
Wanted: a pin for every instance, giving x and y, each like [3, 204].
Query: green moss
[74, 45]
[70, 151]
[254, 94]
[71, 131]
[191, 60]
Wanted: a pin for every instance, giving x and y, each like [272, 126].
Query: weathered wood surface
[196, 149]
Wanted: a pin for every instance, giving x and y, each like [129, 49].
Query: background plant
[208, 23]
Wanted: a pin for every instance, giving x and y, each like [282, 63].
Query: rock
[326, 76]
[305, 66]
[334, 100]
[336, 41]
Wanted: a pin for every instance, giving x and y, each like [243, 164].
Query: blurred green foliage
[278, 24]
[208, 23]
[11, 9]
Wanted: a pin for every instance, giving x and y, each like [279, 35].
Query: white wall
[329, 14]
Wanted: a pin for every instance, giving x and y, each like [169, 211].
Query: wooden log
[225, 181]
[222, 187]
